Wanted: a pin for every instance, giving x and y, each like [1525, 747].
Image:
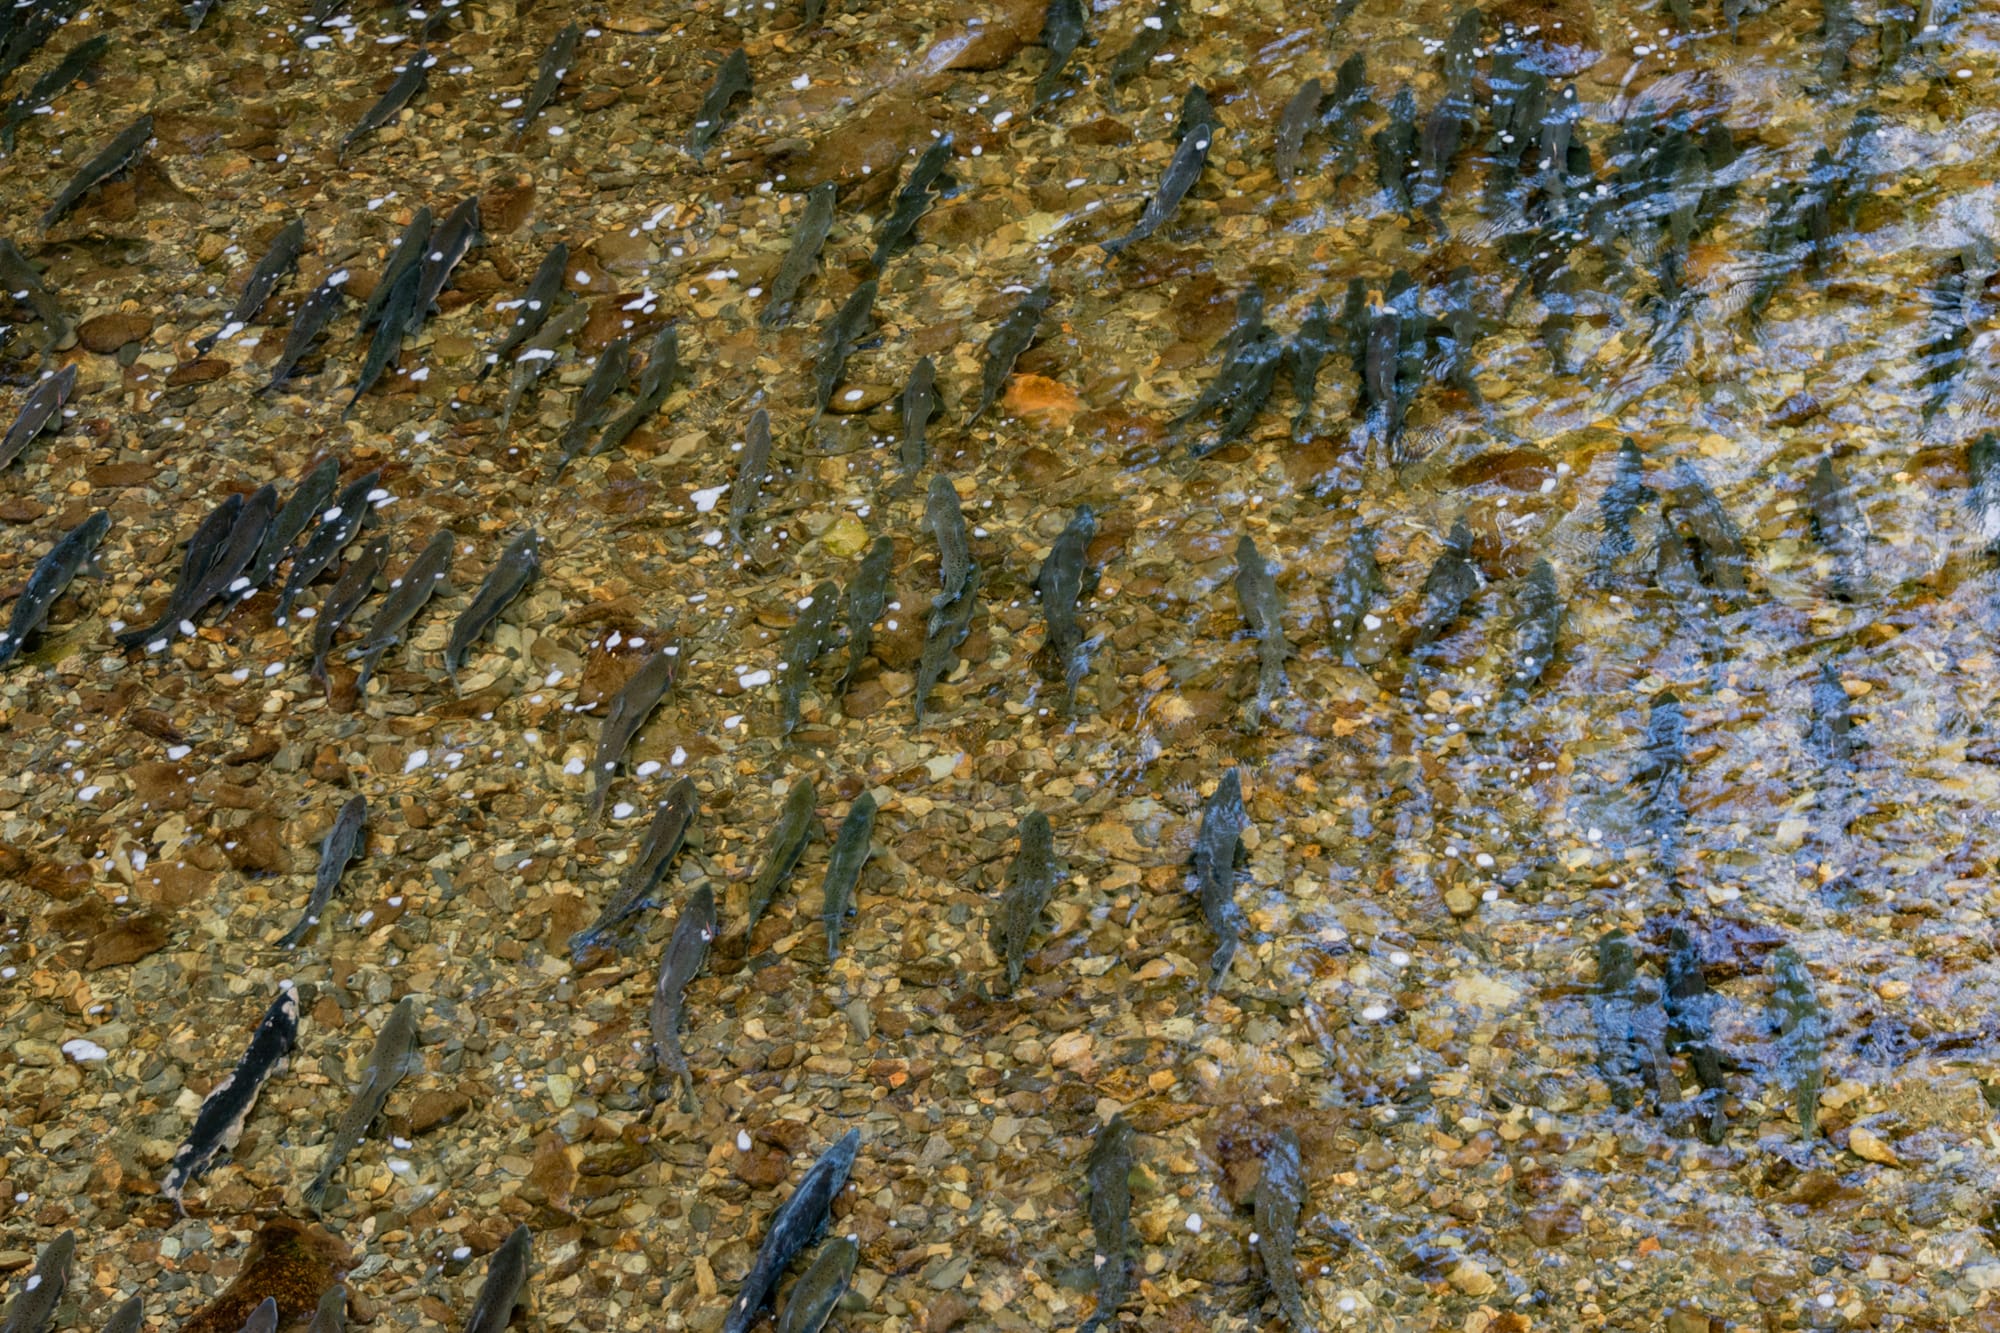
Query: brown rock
[507, 208]
[946, 1313]
[867, 146]
[105, 334]
[120, 474]
[761, 1167]
[173, 883]
[288, 1261]
[60, 882]
[552, 1178]
[438, 1106]
[127, 941]
[198, 372]
[1037, 396]
[20, 509]
[258, 846]
[984, 37]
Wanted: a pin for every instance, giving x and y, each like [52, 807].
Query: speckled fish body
[407, 256]
[802, 257]
[639, 888]
[219, 1123]
[809, 637]
[1622, 499]
[814, 1295]
[350, 591]
[536, 305]
[1943, 353]
[630, 708]
[510, 576]
[732, 80]
[851, 846]
[797, 1222]
[277, 264]
[1061, 581]
[131, 1318]
[1264, 612]
[309, 321]
[35, 1300]
[686, 952]
[1353, 590]
[1005, 345]
[263, 1319]
[1223, 820]
[549, 73]
[867, 595]
[607, 377]
[1250, 357]
[1107, 1172]
[1982, 464]
[227, 576]
[117, 155]
[76, 65]
[1615, 1009]
[1300, 114]
[1718, 540]
[342, 841]
[945, 518]
[1347, 113]
[506, 1279]
[656, 384]
[1690, 1007]
[409, 593]
[1396, 148]
[390, 331]
[203, 549]
[1183, 170]
[1280, 1195]
[20, 277]
[394, 1055]
[540, 354]
[1660, 775]
[1830, 734]
[1801, 1026]
[1451, 583]
[1538, 618]
[443, 253]
[410, 81]
[1838, 527]
[42, 406]
[1031, 881]
[74, 551]
[788, 843]
[1304, 356]
[1062, 33]
[1150, 38]
[919, 402]
[949, 627]
[750, 470]
[913, 200]
[306, 502]
[837, 341]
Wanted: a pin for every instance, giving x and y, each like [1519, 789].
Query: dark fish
[638, 887]
[196, 12]
[203, 549]
[1830, 734]
[1622, 499]
[1183, 170]
[732, 80]
[443, 252]
[843, 867]
[225, 575]
[1005, 345]
[694, 931]
[950, 625]
[19, 279]
[809, 637]
[813, 1296]
[867, 594]
[629, 710]
[1153, 33]
[837, 340]
[1251, 357]
[1948, 338]
[276, 265]
[34, 1305]
[613, 367]
[42, 406]
[803, 256]
[1717, 539]
[1264, 612]
[1396, 148]
[541, 353]
[342, 841]
[537, 304]
[74, 551]
[511, 574]
[1062, 33]
[306, 502]
[131, 1318]
[263, 1319]
[1839, 29]
[750, 472]
[408, 256]
[117, 155]
[1223, 820]
[394, 1055]
[1197, 111]
[919, 401]
[555, 63]
[662, 372]
[1346, 114]
[1801, 1028]
[1982, 464]
[219, 1123]
[410, 81]
[793, 1227]
[1617, 1009]
[1303, 358]
[1838, 526]
[1280, 1194]
[408, 594]
[76, 65]
[1031, 881]
[1107, 1172]
[1664, 769]
[506, 1278]
[350, 591]
[946, 520]
[788, 843]
[314, 313]
[1299, 115]
[1353, 590]
[1061, 581]
[1538, 618]
[913, 200]
[331, 1315]
[390, 331]
[1690, 1009]
[1451, 583]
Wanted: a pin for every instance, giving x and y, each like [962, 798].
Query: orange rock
[105, 334]
[1036, 395]
[291, 1261]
